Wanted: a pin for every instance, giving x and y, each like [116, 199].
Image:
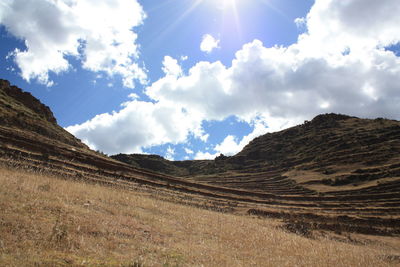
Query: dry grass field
[47, 221]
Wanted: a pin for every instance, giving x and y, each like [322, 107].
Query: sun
[221, 4]
[225, 4]
[229, 2]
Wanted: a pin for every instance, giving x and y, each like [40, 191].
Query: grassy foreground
[46, 221]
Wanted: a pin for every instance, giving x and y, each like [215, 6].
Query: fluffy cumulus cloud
[138, 125]
[208, 43]
[339, 64]
[98, 33]
[171, 67]
[231, 145]
[334, 26]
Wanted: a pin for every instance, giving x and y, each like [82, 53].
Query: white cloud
[209, 43]
[204, 137]
[188, 150]
[169, 155]
[335, 25]
[98, 33]
[138, 125]
[230, 146]
[171, 67]
[133, 96]
[274, 87]
[300, 22]
[205, 155]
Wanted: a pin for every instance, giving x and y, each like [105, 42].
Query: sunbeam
[236, 18]
[178, 20]
[231, 17]
[274, 8]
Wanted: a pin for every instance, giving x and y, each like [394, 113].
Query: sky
[191, 79]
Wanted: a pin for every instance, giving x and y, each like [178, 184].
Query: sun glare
[221, 4]
[230, 14]
[227, 4]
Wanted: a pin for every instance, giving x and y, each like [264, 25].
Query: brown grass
[46, 221]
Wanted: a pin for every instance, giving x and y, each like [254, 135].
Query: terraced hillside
[330, 153]
[335, 173]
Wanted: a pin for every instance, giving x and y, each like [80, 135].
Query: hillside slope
[334, 173]
[331, 150]
[52, 222]
[21, 111]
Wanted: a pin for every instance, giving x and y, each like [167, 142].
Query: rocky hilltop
[26, 99]
[20, 110]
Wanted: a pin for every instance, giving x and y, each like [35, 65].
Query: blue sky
[195, 78]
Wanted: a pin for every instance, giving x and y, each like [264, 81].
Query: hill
[22, 112]
[331, 150]
[335, 173]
